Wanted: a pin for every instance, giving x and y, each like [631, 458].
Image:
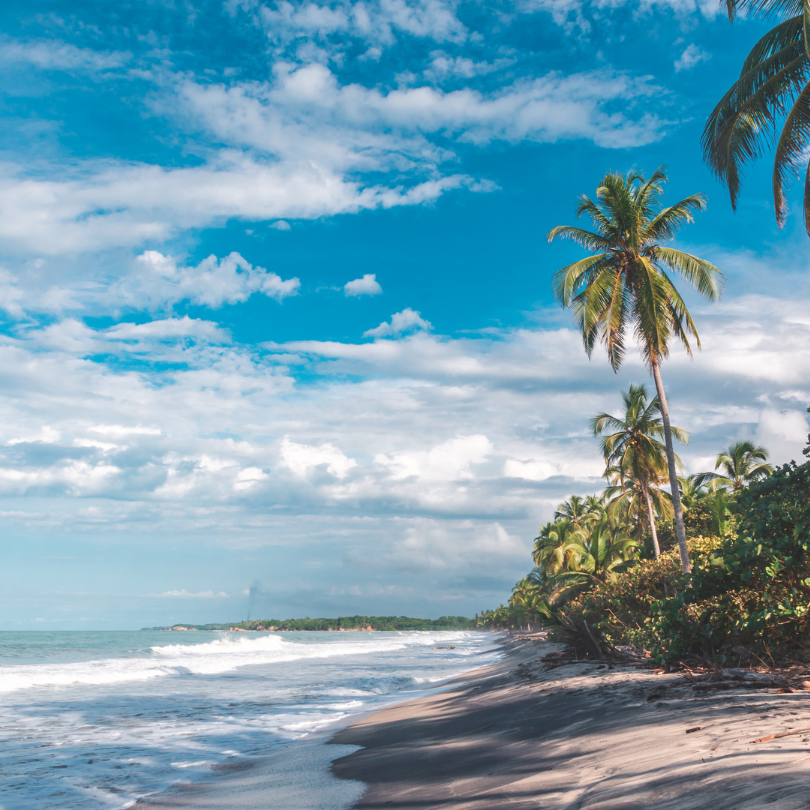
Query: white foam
[208, 658]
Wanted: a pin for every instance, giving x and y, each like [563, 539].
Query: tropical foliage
[773, 89]
[742, 464]
[625, 286]
[747, 597]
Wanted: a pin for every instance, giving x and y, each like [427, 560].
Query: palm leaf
[790, 150]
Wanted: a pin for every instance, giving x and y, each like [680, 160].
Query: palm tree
[555, 546]
[629, 503]
[577, 510]
[773, 86]
[741, 464]
[606, 549]
[633, 448]
[696, 488]
[625, 286]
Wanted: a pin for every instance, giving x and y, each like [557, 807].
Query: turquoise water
[95, 720]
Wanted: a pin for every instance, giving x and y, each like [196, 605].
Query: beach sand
[581, 736]
[586, 736]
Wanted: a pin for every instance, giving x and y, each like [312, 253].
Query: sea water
[95, 720]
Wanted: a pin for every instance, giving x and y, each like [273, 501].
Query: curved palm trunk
[651, 517]
[673, 473]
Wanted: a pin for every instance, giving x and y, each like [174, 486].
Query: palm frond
[702, 275]
[790, 151]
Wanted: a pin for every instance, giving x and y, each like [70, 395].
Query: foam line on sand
[295, 777]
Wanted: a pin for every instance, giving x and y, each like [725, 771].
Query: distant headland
[341, 624]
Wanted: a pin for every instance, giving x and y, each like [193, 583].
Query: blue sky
[276, 303]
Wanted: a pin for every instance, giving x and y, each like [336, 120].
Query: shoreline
[584, 735]
[294, 776]
[527, 733]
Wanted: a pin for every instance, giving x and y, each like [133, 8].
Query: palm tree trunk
[673, 473]
[651, 517]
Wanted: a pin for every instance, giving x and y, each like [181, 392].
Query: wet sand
[581, 736]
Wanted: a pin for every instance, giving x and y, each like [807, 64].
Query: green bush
[621, 607]
[754, 590]
[750, 588]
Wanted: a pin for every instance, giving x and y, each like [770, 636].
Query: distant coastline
[341, 624]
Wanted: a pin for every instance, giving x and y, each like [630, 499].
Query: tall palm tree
[630, 504]
[631, 444]
[773, 87]
[625, 285]
[741, 464]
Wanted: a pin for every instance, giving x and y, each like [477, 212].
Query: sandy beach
[517, 734]
[581, 736]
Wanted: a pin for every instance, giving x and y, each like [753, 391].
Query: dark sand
[579, 737]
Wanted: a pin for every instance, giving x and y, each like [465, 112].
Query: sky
[275, 294]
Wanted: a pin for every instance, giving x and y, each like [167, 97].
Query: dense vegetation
[747, 597]
[341, 623]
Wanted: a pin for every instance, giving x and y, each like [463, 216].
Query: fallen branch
[777, 736]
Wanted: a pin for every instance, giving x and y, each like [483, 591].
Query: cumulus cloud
[449, 461]
[693, 55]
[368, 285]
[401, 322]
[159, 282]
[302, 459]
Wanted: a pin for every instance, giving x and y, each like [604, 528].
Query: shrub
[751, 588]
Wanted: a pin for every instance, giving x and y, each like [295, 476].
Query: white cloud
[154, 282]
[168, 329]
[401, 322]
[184, 594]
[306, 111]
[368, 285]
[444, 66]
[56, 55]
[249, 477]
[124, 205]
[302, 458]
[782, 431]
[692, 56]
[377, 22]
[281, 225]
[465, 545]
[450, 461]
[212, 283]
[531, 469]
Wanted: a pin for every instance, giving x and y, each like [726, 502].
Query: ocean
[95, 720]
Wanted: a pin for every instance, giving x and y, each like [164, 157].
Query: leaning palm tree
[741, 464]
[632, 446]
[625, 285]
[773, 89]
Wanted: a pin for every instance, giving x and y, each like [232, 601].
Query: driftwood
[785, 734]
